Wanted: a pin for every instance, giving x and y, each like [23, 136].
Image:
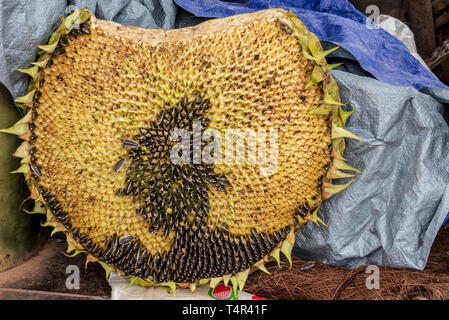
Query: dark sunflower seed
[126, 240]
[119, 165]
[58, 51]
[129, 189]
[131, 144]
[85, 28]
[36, 170]
[308, 265]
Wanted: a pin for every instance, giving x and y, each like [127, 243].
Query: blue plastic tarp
[337, 21]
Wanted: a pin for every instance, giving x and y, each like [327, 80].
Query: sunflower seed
[131, 144]
[58, 51]
[126, 239]
[85, 28]
[119, 165]
[36, 170]
[308, 265]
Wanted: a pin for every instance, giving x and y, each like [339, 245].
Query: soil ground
[46, 271]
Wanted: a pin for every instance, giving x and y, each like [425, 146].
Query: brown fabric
[323, 282]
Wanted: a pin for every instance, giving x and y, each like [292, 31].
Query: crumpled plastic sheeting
[402, 32]
[337, 21]
[393, 210]
[23, 24]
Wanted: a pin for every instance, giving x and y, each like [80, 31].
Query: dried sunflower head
[182, 156]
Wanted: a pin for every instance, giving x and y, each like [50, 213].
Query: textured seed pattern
[171, 194]
[106, 83]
